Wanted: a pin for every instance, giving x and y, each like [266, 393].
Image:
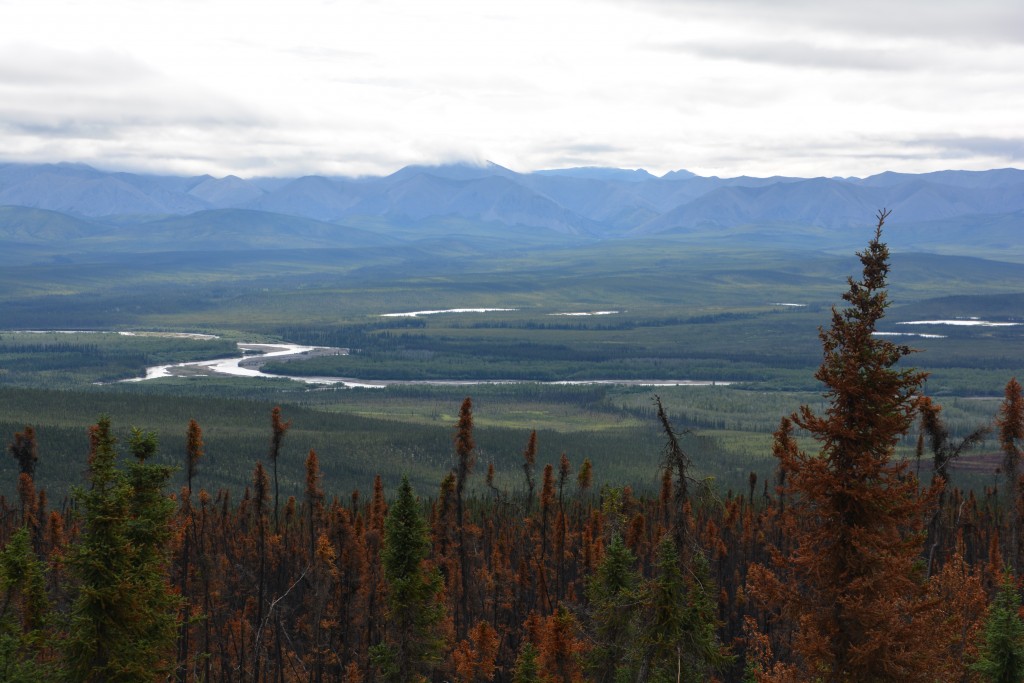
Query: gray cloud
[803, 55]
[952, 21]
[1011, 149]
[99, 95]
[37, 66]
[587, 148]
[845, 88]
[106, 109]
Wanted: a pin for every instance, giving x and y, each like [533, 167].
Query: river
[253, 357]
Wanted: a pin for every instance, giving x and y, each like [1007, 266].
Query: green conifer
[413, 639]
[612, 593]
[25, 636]
[679, 637]
[527, 665]
[122, 622]
[1001, 656]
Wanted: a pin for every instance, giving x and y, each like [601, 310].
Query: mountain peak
[681, 174]
[461, 170]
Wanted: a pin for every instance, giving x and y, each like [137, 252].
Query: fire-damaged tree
[852, 585]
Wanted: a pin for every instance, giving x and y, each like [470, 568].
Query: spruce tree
[413, 635]
[613, 597]
[465, 454]
[527, 668]
[25, 451]
[679, 639]
[278, 429]
[122, 622]
[1001, 655]
[851, 584]
[1010, 424]
[26, 637]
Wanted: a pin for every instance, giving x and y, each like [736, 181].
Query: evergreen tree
[613, 597]
[678, 640]
[25, 451]
[1011, 434]
[193, 450]
[413, 638]
[25, 634]
[529, 465]
[527, 669]
[278, 429]
[1001, 656]
[852, 585]
[465, 453]
[122, 623]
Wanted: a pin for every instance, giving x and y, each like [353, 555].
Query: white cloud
[357, 87]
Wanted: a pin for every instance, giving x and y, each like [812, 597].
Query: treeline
[69, 359]
[412, 364]
[410, 349]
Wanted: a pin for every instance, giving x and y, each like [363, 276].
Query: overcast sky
[354, 87]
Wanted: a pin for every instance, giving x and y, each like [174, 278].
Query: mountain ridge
[584, 202]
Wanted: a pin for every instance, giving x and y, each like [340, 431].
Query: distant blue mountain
[583, 203]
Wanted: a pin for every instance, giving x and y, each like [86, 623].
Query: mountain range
[45, 202]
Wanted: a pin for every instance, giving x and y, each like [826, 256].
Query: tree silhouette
[1010, 423]
[465, 460]
[278, 429]
[25, 451]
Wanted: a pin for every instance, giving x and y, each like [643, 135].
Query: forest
[846, 561]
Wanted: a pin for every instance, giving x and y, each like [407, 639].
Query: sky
[364, 87]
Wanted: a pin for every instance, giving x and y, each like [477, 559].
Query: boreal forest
[850, 558]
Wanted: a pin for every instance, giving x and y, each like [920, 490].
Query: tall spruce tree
[465, 460]
[122, 622]
[1010, 423]
[413, 636]
[851, 585]
[613, 599]
[278, 429]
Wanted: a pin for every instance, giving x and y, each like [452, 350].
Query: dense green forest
[748, 535]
